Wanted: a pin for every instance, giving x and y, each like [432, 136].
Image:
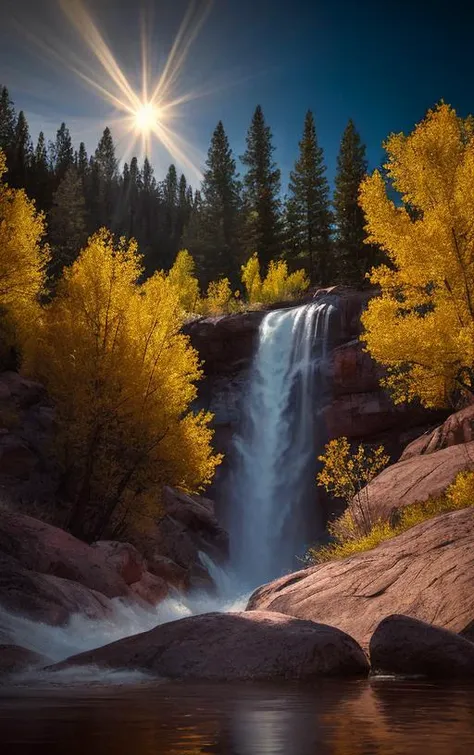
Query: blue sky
[381, 64]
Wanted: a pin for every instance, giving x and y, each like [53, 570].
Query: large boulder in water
[427, 573]
[224, 647]
[46, 549]
[403, 645]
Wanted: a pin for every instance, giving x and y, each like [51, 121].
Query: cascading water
[274, 454]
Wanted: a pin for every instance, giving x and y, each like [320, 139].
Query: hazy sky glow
[382, 65]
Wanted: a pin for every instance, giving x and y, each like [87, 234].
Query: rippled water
[381, 716]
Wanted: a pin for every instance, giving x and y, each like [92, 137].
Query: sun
[147, 117]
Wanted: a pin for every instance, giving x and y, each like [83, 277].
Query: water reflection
[330, 718]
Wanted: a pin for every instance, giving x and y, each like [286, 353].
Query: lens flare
[147, 114]
[146, 117]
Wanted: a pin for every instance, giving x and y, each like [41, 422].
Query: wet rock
[173, 574]
[124, 558]
[426, 572]
[403, 645]
[223, 647]
[49, 550]
[150, 588]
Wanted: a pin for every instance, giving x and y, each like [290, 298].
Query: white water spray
[275, 451]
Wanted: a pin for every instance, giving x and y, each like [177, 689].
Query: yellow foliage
[122, 377]
[219, 298]
[22, 259]
[252, 280]
[349, 540]
[182, 277]
[344, 474]
[277, 284]
[422, 326]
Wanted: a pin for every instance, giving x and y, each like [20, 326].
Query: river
[140, 717]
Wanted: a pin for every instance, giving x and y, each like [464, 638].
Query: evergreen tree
[67, 227]
[21, 156]
[82, 161]
[41, 179]
[221, 209]
[308, 213]
[105, 167]
[354, 258]
[7, 123]
[261, 192]
[62, 152]
[170, 210]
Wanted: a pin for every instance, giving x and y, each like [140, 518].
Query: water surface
[135, 716]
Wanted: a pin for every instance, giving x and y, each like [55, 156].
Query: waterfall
[272, 485]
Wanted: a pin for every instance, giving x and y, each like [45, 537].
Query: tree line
[222, 223]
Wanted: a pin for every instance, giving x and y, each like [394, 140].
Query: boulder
[416, 479]
[187, 528]
[150, 588]
[45, 598]
[224, 647]
[124, 558]
[403, 645]
[43, 548]
[427, 573]
[457, 429]
[173, 574]
[14, 658]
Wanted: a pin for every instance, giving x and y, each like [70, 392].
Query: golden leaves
[422, 325]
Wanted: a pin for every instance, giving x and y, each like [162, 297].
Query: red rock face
[426, 573]
[222, 647]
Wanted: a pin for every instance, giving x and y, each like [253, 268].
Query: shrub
[277, 284]
[345, 475]
[219, 298]
[183, 279]
[348, 540]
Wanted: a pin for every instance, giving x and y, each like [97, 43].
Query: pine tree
[170, 209]
[82, 162]
[221, 209]
[62, 152]
[21, 156]
[7, 123]
[354, 258]
[261, 192]
[40, 179]
[67, 228]
[105, 165]
[308, 207]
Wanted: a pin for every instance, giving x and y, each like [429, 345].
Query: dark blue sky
[380, 63]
